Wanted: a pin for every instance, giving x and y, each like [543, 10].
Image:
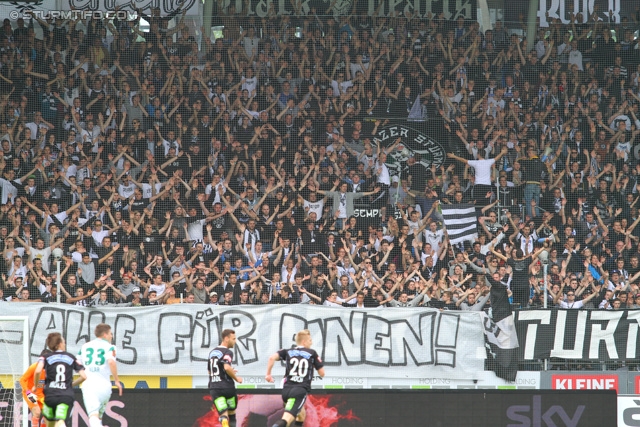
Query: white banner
[176, 340]
[166, 6]
[628, 410]
[565, 10]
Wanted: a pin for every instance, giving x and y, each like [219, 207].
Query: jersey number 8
[61, 374]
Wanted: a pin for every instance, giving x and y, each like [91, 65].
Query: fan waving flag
[500, 333]
[461, 222]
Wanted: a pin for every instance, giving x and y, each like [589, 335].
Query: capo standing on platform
[483, 185]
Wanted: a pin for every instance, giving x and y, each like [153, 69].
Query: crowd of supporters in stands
[229, 171]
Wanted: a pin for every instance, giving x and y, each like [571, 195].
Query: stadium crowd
[230, 171]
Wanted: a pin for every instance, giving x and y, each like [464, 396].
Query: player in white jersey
[99, 358]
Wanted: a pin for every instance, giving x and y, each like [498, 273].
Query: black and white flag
[500, 333]
[461, 222]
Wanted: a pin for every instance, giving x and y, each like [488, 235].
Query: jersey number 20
[299, 368]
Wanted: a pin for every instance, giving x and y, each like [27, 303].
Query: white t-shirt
[60, 216]
[7, 188]
[250, 84]
[72, 171]
[99, 235]
[36, 129]
[219, 190]
[340, 88]
[383, 175]
[413, 226]
[147, 192]
[575, 57]
[331, 304]
[342, 206]
[624, 147]
[317, 207]
[158, 288]
[13, 252]
[434, 239]
[483, 170]
[126, 191]
[42, 254]
[18, 272]
[352, 301]
[195, 230]
[170, 144]
[575, 304]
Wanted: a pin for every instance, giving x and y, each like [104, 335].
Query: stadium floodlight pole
[57, 255]
[58, 284]
[499, 214]
[531, 23]
[545, 265]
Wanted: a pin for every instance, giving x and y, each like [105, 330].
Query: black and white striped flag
[461, 222]
[500, 333]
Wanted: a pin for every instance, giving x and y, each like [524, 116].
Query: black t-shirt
[139, 302]
[520, 271]
[179, 163]
[218, 225]
[218, 377]
[151, 242]
[418, 176]
[59, 367]
[300, 363]
[139, 205]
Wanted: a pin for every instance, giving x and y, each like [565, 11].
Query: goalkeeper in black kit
[300, 363]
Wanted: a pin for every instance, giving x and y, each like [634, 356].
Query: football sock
[299, 423]
[232, 420]
[95, 422]
[224, 421]
[281, 423]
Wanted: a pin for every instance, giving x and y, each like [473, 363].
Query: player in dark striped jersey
[300, 363]
[58, 387]
[221, 379]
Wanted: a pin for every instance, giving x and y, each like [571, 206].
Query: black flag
[500, 333]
